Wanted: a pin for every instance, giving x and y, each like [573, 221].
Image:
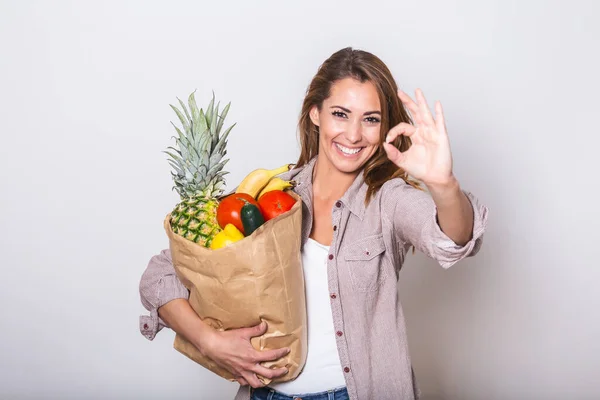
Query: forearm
[454, 211]
[181, 317]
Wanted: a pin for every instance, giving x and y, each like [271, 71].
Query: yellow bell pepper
[230, 234]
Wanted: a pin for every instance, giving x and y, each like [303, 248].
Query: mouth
[348, 151]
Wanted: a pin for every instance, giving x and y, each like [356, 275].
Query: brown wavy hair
[362, 66]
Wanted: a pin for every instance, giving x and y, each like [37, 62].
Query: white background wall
[84, 93]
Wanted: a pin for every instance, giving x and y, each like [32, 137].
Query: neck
[329, 183]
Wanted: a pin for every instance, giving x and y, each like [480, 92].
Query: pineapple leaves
[217, 167]
[210, 110]
[173, 156]
[214, 159]
[184, 109]
[199, 124]
[184, 122]
[193, 107]
[178, 171]
[202, 170]
[197, 158]
[204, 142]
[195, 132]
[203, 124]
[182, 142]
[181, 135]
[222, 117]
[223, 142]
[188, 175]
[175, 150]
[205, 158]
[197, 141]
[213, 128]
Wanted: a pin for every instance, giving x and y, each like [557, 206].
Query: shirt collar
[354, 198]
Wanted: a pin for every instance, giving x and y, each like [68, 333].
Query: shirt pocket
[364, 259]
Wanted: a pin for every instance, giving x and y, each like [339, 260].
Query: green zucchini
[251, 218]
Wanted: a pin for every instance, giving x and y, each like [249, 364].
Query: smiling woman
[362, 213]
[352, 86]
[348, 134]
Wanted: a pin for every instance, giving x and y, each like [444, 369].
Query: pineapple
[197, 162]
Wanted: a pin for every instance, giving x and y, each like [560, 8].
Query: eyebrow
[350, 112]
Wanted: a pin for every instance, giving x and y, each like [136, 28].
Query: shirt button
[333, 296]
[338, 204]
[346, 369]
[330, 257]
[145, 326]
[334, 228]
[339, 333]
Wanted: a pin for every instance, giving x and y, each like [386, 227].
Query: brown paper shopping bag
[256, 279]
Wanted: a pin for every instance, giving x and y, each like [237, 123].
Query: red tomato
[229, 210]
[275, 203]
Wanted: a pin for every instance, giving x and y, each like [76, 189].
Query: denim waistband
[267, 393]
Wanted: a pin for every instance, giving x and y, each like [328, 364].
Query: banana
[276, 184]
[256, 180]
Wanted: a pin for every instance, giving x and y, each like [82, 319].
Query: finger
[411, 105]
[394, 155]
[252, 379]
[408, 101]
[440, 121]
[241, 381]
[401, 129]
[424, 108]
[269, 372]
[254, 331]
[271, 355]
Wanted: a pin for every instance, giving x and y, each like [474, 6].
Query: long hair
[362, 66]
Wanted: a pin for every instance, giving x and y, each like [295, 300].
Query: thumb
[256, 330]
[394, 154]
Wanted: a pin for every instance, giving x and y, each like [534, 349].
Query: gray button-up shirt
[367, 251]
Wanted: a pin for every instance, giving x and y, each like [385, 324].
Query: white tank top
[323, 370]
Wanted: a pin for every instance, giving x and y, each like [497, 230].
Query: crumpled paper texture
[257, 279]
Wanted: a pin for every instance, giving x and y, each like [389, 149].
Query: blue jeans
[267, 393]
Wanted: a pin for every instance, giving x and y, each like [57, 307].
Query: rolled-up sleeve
[415, 222]
[159, 285]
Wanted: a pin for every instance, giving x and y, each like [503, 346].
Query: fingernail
[287, 351]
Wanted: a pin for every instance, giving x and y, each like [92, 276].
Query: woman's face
[349, 125]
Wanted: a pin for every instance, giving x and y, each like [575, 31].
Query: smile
[347, 150]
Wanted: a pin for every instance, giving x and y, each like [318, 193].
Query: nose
[354, 132]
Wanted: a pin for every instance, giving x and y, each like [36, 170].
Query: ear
[314, 115]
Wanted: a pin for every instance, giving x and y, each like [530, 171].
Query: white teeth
[348, 151]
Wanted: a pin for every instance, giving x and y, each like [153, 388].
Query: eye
[339, 114]
[372, 120]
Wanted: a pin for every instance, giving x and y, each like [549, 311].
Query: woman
[362, 213]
